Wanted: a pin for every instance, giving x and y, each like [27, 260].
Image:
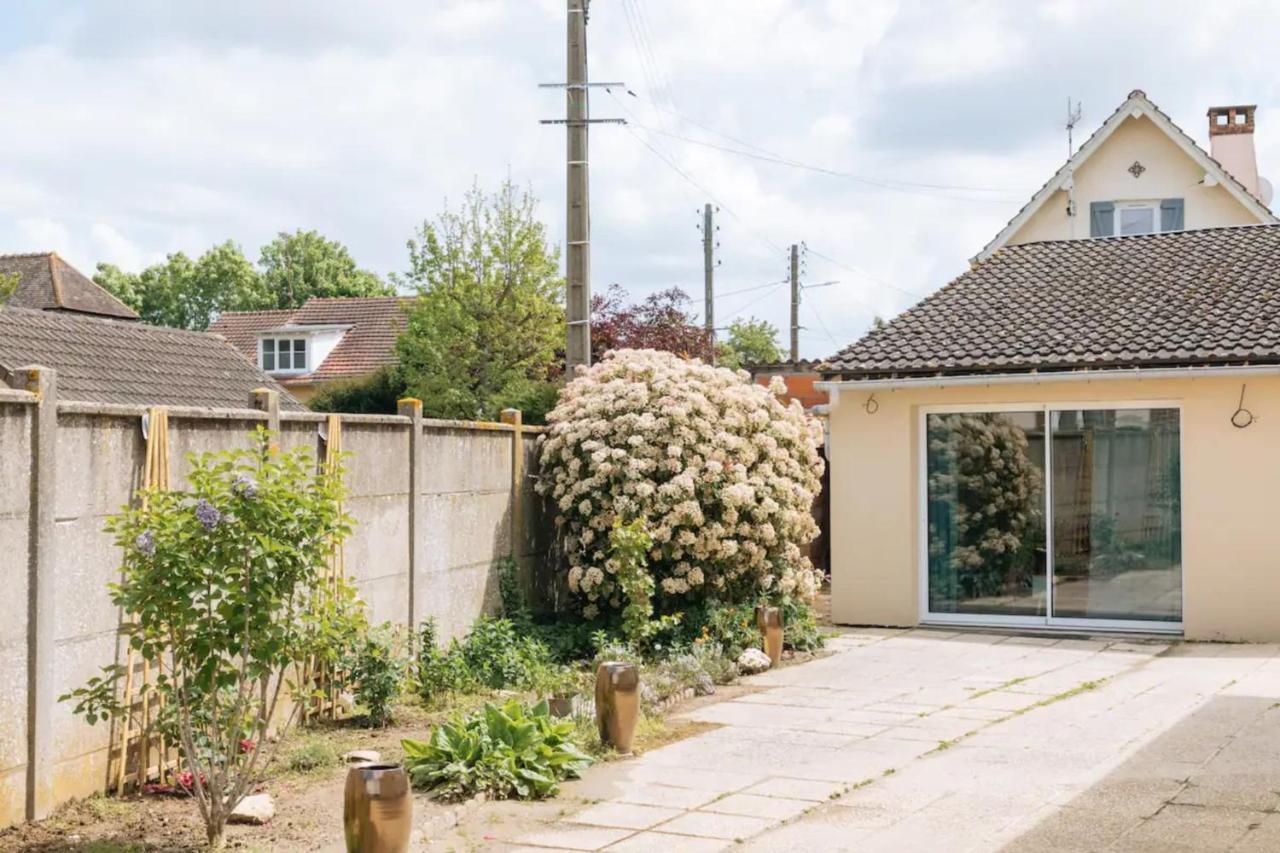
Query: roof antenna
[1073, 118]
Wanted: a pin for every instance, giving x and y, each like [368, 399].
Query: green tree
[487, 325]
[8, 284]
[298, 266]
[749, 342]
[188, 294]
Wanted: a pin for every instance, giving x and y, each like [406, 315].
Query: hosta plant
[717, 470]
[506, 751]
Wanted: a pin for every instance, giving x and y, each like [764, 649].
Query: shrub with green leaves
[800, 631]
[227, 582]
[496, 655]
[507, 751]
[376, 669]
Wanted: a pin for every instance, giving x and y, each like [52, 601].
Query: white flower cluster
[723, 474]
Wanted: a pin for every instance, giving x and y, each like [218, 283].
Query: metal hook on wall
[872, 405]
[1242, 417]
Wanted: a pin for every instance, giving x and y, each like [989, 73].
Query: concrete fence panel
[425, 543]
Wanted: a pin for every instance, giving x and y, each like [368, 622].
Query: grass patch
[311, 754]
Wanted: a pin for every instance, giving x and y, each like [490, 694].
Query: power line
[758, 299]
[682, 173]
[750, 289]
[907, 187]
[864, 274]
[800, 164]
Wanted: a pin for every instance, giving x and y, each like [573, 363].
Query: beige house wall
[1105, 176]
[1230, 480]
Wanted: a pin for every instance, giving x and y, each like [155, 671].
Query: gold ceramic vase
[617, 703]
[377, 809]
[769, 621]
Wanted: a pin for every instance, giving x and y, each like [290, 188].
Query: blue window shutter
[1102, 219]
[1172, 217]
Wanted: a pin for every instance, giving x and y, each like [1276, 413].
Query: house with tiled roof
[325, 341]
[46, 282]
[1082, 431]
[109, 360]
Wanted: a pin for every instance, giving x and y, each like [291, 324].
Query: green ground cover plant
[504, 751]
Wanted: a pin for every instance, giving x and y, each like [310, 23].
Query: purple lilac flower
[207, 514]
[245, 486]
[145, 543]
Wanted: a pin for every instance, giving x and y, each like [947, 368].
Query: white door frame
[1048, 621]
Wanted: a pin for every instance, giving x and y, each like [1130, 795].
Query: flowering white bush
[720, 472]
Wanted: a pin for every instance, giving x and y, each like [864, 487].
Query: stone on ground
[752, 661]
[255, 809]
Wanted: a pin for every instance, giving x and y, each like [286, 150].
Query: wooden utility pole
[795, 303]
[578, 189]
[708, 277]
[578, 194]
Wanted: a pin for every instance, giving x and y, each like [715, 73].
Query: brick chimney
[1231, 143]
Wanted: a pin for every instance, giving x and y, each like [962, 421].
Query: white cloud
[144, 127]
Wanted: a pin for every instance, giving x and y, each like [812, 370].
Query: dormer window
[283, 355]
[1130, 218]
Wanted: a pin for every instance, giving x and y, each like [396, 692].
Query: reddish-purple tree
[663, 321]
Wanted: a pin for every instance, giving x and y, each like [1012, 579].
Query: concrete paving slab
[711, 825]
[667, 796]
[569, 837]
[796, 789]
[661, 842]
[1079, 745]
[755, 805]
[624, 815]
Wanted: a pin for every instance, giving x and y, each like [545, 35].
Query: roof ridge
[77, 316]
[55, 279]
[5, 256]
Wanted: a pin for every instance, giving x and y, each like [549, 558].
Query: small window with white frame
[283, 355]
[1137, 217]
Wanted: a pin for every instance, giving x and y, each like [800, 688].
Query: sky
[911, 131]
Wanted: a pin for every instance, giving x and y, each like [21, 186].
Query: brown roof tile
[48, 283]
[376, 322]
[1210, 296]
[100, 360]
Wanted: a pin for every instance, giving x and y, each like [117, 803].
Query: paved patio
[938, 740]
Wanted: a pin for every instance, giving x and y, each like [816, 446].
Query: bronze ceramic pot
[377, 809]
[769, 621]
[617, 703]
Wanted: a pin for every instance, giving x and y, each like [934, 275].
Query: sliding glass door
[1050, 515]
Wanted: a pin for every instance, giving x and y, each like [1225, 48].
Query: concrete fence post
[411, 408]
[41, 692]
[515, 418]
[266, 400]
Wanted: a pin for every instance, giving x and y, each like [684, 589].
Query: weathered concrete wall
[15, 519]
[466, 493]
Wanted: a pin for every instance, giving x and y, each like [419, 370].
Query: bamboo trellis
[155, 476]
[321, 674]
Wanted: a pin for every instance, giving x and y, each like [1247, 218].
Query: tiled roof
[48, 283]
[241, 328]
[1201, 297]
[101, 360]
[376, 322]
